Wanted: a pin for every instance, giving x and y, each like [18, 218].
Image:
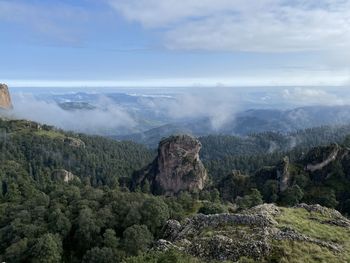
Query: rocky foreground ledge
[259, 232]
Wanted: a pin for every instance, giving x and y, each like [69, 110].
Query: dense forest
[89, 219]
[222, 153]
[95, 160]
[94, 217]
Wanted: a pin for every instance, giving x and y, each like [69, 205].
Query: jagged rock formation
[63, 176]
[329, 159]
[176, 168]
[252, 233]
[5, 99]
[283, 174]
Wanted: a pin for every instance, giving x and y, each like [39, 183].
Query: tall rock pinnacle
[176, 168]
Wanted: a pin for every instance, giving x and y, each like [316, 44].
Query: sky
[173, 43]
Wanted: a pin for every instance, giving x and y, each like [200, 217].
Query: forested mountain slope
[40, 150]
[60, 200]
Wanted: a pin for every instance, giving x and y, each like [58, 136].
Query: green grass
[302, 252]
[310, 224]
[51, 134]
[307, 223]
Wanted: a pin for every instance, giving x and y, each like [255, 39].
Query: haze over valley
[149, 114]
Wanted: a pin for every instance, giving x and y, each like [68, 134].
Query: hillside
[319, 176]
[63, 198]
[40, 149]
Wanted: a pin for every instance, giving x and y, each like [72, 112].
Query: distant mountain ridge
[250, 122]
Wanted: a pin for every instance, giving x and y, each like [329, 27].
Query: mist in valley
[142, 114]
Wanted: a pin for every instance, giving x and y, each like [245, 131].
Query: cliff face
[283, 174]
[176, 168]
[5, 99]
[64, 176]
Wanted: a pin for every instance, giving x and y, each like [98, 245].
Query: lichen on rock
[252, 233]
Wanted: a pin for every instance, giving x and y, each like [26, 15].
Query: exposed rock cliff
[74, 142]
[256, 233]
[64, 176]
[331, 157]
[176, 168]
[283, 174]
[5, 99]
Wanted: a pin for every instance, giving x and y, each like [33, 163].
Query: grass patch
[303, 252]
[310, 224]
[50, 134]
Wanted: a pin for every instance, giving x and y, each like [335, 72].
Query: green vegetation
[311, 224]
[223, 153]
[98, 219]
[39, 150]
[170, 256]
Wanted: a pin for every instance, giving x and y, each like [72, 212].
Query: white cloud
[309, 96]
[219, 105]
[107, 118]
[241, 25]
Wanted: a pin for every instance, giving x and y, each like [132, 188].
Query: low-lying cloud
[110, 119]
[217, 108]
[218, 105]
[310, 96]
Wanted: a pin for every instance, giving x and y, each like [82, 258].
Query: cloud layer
[240, 25]
[111, 119]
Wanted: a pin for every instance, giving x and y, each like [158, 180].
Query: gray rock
[63, 175]
[74, 142]
[251, 233]
[176, 168]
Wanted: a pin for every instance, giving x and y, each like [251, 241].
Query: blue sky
[174, 42]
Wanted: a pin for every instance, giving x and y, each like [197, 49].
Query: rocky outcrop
[252, 233]
[63, 176]
[176, 168]
[330, 158]
[283, 174]
[5, 99]
[74, 142]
